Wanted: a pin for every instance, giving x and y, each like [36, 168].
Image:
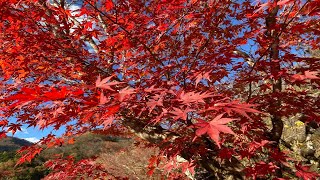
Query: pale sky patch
[32, 139]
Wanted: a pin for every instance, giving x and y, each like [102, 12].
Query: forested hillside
[127, 159]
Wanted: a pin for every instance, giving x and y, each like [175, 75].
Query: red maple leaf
[28, 154]
[107, 121]
[304, 172]
[55, 94]
[194, 97]
[311, 75]
[104, 84]
[201, 76]
[14, 127]
[112, 110]
[280, 156]
[123, 93]
[156, 101]
[4, 122]
[284, 2]
[261, 169]
[103, 99]
[307, 75]
[109, 5]
[181, 114]
[226, 153]
[214, 128]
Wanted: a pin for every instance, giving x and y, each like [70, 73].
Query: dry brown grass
[125, 159]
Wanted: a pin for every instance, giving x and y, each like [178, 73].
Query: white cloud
[32, 139]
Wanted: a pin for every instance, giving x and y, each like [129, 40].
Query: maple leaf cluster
[207, 82]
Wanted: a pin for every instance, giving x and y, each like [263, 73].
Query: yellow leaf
[299, 123]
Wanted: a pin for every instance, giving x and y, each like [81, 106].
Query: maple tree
[208, 81]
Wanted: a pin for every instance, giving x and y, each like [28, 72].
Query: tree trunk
[275, 67]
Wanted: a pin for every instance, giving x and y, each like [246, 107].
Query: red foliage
[304, 173]
[28, 153]
[69, 169]
[190, 77]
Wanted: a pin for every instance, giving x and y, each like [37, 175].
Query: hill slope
[119, 155]
[12, 143]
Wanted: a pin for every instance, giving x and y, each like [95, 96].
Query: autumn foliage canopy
[210, 82]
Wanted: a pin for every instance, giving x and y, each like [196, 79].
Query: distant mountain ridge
[12, 143]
